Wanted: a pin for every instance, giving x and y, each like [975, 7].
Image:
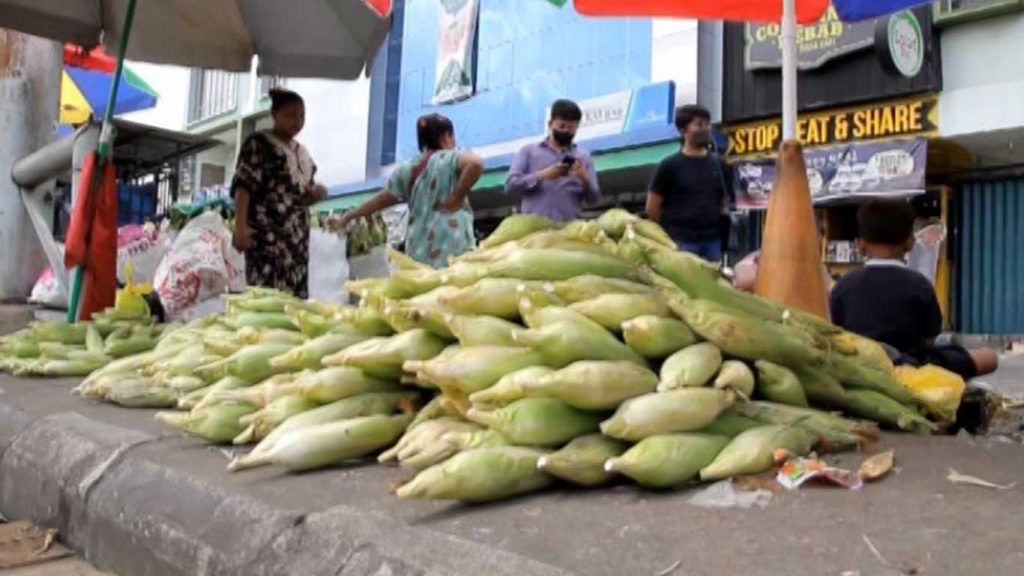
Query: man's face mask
[701, 137]
[564, 138]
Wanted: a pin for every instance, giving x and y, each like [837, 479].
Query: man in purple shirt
[554, 177]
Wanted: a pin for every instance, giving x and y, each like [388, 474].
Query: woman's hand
[337, 223]
[450, 205]
[242, 239]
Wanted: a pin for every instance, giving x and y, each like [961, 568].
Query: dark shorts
[953, 358]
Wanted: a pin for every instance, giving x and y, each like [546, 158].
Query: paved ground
[916, 519]
[66, 567]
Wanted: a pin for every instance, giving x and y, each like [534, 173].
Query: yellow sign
[914, 117]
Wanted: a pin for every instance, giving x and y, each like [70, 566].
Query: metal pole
[103, 150]
[789, 70]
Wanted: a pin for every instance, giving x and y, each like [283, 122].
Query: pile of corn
[583, 353]
[56, 349]
[365, 234]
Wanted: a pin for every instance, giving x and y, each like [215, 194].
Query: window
[211, 93]
[957, 11]
[268, 82]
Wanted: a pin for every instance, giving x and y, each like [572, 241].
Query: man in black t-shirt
[690, 190]
[890, 303]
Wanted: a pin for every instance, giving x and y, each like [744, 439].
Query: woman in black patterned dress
[273, 188]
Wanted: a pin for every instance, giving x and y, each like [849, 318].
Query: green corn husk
[58, 332]
[310, 323]
[260, 395]
[384, 357]
[668, 460]
[856, 375]
[371, 404]
[736, 376]
[565, 342]
[421, 447]
[404, 262]
[490, 296]
[217, 424]
[611, 310]
[333, 443]
[881, 408]
[692, 366]
[128, 346]
[265, 304]
[617, 221]
[821, 389]
[588, 287]
[263, 421]
[431, 411]
[745, 337]
[779, 384]
[510, 387]
[409, 315]
[538, 314]
[483, 330]
[753, 451]
[582, 461]
[251, 363]
[310, 355]
[731, 423]
[471, 440]
[56, 350]
[554, 264]
[339, 382]
[831, 431]
[683, 410]
[515, 227]
[193, 399]
[59, 368]
[186, 384]
[93, 340]
[537, 421]
[594, 385]
[364, 320]
[261, 320]
[21, 347]
[140, 393]
[479, 475]
[656, 337]
[474, 368]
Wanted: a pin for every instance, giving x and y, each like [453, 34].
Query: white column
[789, 70]
[29, 94]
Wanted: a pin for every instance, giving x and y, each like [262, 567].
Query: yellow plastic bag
[131, 299]
[937, 388]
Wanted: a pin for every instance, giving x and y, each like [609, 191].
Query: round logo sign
[906, 43]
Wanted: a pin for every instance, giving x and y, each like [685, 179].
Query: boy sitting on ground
[890, 303]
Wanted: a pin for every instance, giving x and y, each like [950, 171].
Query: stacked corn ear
[585, 352]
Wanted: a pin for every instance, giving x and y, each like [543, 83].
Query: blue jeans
[710, 250]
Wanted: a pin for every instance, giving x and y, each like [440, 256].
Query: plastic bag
[200, 265]
[937, 388]
[328, 267]
[47, 291]
[373, 264]
[144, 247]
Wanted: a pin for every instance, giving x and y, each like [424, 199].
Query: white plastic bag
[373, 264]
[144, 247]
[328, 267]
[47, 291]
[201, 264]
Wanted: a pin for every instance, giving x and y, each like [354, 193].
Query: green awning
[603, 162]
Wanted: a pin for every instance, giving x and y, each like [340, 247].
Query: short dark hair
[279, 98]
[430, 129]
[887, 222]
[690, 112]
[566, 110]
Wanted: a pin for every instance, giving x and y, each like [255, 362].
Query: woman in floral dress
[435, 183]
[273, 189]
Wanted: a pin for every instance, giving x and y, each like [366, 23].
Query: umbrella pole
[789, 70]
[103, 153]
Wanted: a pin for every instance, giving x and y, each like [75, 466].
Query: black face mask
[563, 137]
[701, 138]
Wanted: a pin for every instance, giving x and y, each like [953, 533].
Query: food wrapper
[796, 472]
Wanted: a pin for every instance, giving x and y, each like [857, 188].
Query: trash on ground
[877, 466]
[798, 471]
[22, 544]
[722, 495]
[958, 478]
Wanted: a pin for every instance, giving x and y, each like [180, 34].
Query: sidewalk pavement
[136, 498]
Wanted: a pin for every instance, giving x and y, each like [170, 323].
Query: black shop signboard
[841, 64]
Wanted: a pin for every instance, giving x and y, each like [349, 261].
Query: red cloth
[92, 238]
[95, 59]
[382, 7]
[808, 11]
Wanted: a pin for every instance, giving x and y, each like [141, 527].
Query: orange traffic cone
[789, 267]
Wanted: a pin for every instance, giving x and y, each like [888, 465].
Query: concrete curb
[130, 515]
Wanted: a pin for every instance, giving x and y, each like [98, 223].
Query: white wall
[674, 56]
[171, 85]
[983, 76]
